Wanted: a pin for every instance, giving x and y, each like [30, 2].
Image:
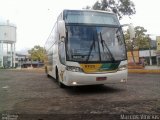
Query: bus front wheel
[61, 85]
[46, 71]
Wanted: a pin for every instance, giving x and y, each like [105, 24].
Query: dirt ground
[30, 95]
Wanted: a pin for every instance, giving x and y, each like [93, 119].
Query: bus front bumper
[79, 78]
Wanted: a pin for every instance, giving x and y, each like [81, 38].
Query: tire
[61, 85]
[46, 71]
[48, 75]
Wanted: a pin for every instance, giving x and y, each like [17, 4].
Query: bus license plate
[101, 78]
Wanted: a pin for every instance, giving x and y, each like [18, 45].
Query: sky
[35, 18]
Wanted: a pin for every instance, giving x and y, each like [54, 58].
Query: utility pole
[132, 51]
[150, 58]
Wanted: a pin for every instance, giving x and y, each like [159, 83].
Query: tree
[141, 39]
[119, 7]
[37, 53]
[127, 40]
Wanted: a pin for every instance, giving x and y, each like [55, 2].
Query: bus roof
[89, 10]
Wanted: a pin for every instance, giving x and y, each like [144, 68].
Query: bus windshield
[95, 44]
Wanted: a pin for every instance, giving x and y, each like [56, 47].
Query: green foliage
[127, 40]
[37, 53]
[119, 7]
[87, 7]
[141, 40]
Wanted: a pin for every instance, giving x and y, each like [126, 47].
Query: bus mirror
[131, 31]
[61, 29]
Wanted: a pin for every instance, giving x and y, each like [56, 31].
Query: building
[24, 61]
[149, 56]
[158, 50]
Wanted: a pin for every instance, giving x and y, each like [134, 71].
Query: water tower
[7, 44]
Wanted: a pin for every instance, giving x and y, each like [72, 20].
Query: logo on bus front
[90, 66]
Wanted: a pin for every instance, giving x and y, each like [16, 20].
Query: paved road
[31, 94]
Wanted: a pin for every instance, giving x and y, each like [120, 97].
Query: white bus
[86, 47]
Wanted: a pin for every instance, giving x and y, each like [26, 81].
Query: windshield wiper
[91, 47]
[104, 43]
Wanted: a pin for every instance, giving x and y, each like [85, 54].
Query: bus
[86, 47]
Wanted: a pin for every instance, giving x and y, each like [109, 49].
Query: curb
[39, 70]
[143, 71]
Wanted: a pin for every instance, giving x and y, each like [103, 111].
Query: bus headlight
[122, 67]
[73, 69]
